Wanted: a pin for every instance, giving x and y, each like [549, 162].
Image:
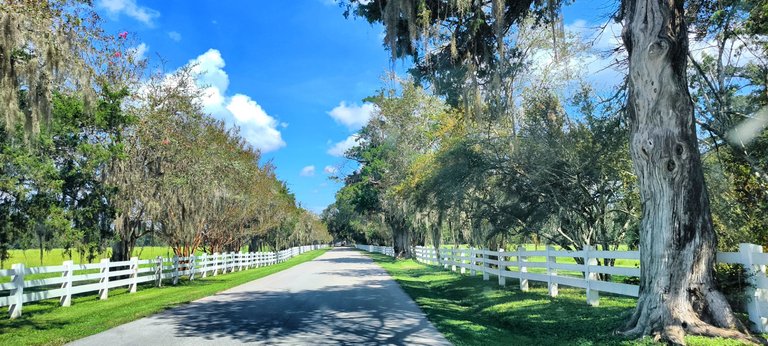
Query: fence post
[159, 271]
[486, 267]
[192, 267]
[175, 274]
[216, 260]
[134, 275]
[755, 274]
[18, 290]
[66, 299]
[104, 291]
[443, 257]
[502, 268]
[452, 257]
[551, 272]
[224, 262]
[204, 262]
[523, 268]
[593, 296]
[472, 258]
[461, 262]
[232, 264]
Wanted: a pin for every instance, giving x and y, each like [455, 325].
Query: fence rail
[70, 279]
[547, 266]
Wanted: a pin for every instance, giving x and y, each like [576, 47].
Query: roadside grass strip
[46, 323]
[470, 311]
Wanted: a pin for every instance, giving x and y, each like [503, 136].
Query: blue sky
[291, 74]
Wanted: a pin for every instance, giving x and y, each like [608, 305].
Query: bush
[732, 282]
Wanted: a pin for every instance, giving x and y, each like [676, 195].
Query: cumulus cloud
[256, 125]
[340, 148]
[307, 171]
[139, 52]
[352, 116]
[330, 170]
[174, 36]
[115, 8]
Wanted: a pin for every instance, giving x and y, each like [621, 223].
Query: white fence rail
[384, 250]
[544, 266]
[69, 278]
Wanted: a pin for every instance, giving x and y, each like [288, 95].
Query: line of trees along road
[94, 154]
[497, 137]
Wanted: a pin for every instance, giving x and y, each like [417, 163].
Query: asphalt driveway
[340, 298]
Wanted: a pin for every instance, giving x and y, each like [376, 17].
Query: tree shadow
[366, 313]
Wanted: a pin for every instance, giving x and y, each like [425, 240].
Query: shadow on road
[370, 311]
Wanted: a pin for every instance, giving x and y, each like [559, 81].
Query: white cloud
[139, 52]
[209, 68]
[597, 64]
[736, 53]
[129, 8]
[340, 148]
[173, 35]
[352, 116]
[330, 170]
[307, 171]
[336, 2]
[256, 126]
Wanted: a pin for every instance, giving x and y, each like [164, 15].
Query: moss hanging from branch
[43, 46]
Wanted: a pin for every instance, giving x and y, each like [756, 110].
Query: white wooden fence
[70, 278]
[543, 266]
[384, 250]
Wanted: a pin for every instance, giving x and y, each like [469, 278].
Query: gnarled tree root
[670, 323]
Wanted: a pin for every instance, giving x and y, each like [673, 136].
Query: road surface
[340, 298]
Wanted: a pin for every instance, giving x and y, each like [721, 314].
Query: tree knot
[658, 48]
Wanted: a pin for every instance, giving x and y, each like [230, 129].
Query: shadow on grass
[470, 311]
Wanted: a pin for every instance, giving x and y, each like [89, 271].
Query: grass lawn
[45, 323]
[54, 257]
[470, 311]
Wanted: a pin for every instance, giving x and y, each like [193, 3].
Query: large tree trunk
[678, 294]
[401, 238]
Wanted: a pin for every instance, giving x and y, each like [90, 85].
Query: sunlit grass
[470, 311]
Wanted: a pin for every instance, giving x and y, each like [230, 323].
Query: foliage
[93, 154]
[728, 83]
[45, 46]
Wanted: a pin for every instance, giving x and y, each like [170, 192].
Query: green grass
[54, 257]
[45, 323]
[470, 311]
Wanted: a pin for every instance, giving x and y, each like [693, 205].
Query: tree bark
[678, 295]
[401, 238]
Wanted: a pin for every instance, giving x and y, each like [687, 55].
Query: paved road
[340, 298]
